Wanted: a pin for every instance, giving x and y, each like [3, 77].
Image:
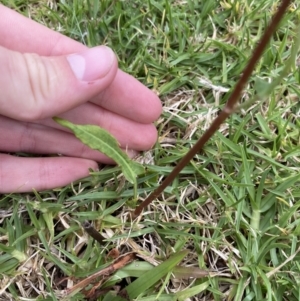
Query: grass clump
[235, 207]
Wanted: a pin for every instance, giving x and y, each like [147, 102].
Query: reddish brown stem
[228, 109]
[113, 267]
[93, 232]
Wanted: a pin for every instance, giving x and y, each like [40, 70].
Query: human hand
[36, 87]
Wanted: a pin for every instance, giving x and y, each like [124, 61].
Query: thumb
[35, 87]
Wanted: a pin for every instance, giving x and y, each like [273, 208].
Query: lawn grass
[235, 207]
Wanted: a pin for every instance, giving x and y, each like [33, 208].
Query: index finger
[25, 35]
[125, 96]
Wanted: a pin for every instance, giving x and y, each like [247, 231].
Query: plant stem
[93, 232]
[227, 111]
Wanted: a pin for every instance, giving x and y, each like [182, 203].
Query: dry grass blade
[116, 265]
[181, 272]
[226, 112]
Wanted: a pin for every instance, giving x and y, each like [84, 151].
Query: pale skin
[37, 83]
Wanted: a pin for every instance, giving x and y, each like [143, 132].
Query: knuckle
[41, 80]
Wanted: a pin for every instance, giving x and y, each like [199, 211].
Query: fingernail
[92, 64]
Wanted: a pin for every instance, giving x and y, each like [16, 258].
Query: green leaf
[149, 278]
[110, 297]
[261, 87]
[164, 297]
[101, 140]
[190, 292]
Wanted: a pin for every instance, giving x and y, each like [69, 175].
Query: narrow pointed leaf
[190, 272]
[190, 292]
[101, 140]
[149, 278]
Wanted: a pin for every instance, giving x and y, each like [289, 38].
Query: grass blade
[151, 277]
[190, 292]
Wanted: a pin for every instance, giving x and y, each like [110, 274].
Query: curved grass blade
[190, 292]
[101, 140]
[149, 278]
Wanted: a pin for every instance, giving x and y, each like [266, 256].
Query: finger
[130, 98]
[52, 85]
[130, 134]
[126, 96]
[24, 35]
[24, 174]
[32, 138]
